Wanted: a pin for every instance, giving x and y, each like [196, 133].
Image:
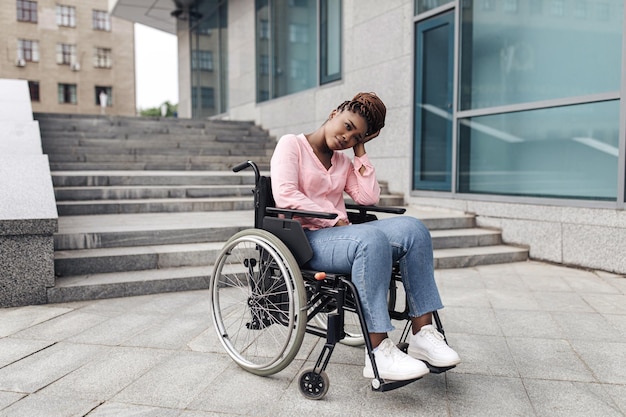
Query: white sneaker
[393, 364]
[429, 345]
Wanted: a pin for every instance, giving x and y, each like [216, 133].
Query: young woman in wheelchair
[310, 172]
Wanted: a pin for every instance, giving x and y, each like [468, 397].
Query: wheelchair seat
[264, 299]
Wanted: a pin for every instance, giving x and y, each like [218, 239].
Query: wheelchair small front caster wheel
[313, 386]
[375, 384]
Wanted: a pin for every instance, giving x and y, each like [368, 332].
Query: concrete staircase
[145, 205]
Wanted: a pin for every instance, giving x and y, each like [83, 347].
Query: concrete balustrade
[28, 214]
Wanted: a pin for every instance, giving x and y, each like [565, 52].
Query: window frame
[65, 16]
[26, 12]
[65, 90]
[100, 20]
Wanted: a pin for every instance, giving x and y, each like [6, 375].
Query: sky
[156, 67]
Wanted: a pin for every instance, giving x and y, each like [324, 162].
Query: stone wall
[28, 215]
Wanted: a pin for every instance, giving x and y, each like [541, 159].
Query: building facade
[73, 54]
[509, 109]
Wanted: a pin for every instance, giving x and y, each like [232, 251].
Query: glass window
[102, 58]
[561, 152]
[202, 60]
[66, 16]
[66, 54]
[287, 41]
[330, 40]
[106, 90]
[67, 94]
[209, 59]
[28, 50]
[101, 20]
[33, 88]
[422, 6]
[538, 53]
[27, 11]
[205, 96]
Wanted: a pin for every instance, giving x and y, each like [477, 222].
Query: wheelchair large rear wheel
[258, 302]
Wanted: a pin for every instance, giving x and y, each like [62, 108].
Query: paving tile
[607, 360]
[471, 320]
[607, 303]
[548, 359]
[571, 399]
[483, 355]
[175, 382]
[14, 349]
[12, 320]
[487, 396]
[118, 329]
[113, 409]
[562, 301]
[587, 326]
[46, 366]
[528, 324]
[465, 297]
[62, 327]
[512, 300]
[106, 375]
[38, 405]
[8, 398]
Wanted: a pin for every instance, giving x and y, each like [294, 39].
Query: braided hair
[370, 107]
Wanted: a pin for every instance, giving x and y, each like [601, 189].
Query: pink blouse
[300, 181]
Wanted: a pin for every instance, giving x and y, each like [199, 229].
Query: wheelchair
[264, 300]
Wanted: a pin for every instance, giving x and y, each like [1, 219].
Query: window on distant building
[27, 11]
[67, 94]
[28, 50]
[66, 54]
[33, 88]
[102, 58]
[101, 20]
[66, 16]
[108, 91]
[201, 60]
[298, 45]
[205, 95]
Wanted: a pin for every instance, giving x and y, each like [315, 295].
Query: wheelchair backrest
[289, 231]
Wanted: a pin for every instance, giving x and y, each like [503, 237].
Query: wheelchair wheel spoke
[256, 297]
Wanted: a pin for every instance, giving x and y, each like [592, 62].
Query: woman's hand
[359, 148]
[342, 222]
[370, 137]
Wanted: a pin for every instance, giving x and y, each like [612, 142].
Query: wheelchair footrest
[382, 385]
[438, 369]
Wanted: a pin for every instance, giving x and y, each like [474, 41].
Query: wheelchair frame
[263, 302]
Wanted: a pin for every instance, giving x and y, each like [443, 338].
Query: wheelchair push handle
[246, 164]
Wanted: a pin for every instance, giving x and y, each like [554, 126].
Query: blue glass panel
[519, 52]
[562, 152]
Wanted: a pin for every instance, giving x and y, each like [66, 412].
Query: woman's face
[344, 130]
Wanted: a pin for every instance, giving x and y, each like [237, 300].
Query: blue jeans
[367, 251]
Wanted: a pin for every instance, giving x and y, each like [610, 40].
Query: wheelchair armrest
[289, 213]
[376, 209]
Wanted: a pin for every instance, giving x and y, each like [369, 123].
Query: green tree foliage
[172, 110]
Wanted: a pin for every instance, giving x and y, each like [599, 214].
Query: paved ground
[535, 340]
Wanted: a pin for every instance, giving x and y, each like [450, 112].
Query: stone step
[142, 282]
[184, 159]
[150, 178]
[153, 205]
[153, 166]
[156, 147]
[130, 192]
[196, 203]
[131, 258]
